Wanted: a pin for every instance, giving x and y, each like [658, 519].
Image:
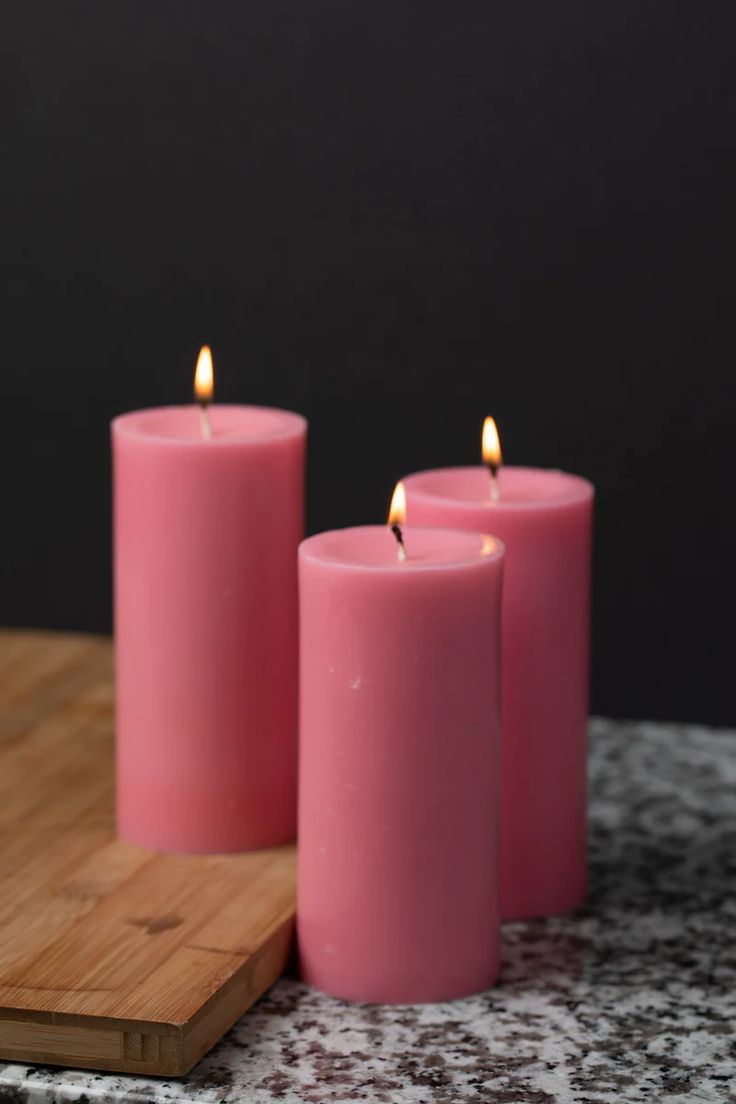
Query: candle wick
[204, 420]
[495, 493]
[400, 546]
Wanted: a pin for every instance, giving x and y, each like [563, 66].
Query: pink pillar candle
[397, 897]
[544, 519]
[206, 538]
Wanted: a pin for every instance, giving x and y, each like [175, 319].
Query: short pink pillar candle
[206, 606]
[544, 519]
[398, 796]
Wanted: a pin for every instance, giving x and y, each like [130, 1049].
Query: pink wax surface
[398, 795]
[206, 608]
[544, 519]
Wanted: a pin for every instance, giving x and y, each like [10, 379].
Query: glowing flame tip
[491, 444]
[397, 511]
[203, 376]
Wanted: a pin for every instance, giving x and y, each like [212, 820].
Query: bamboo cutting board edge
[129, 1046]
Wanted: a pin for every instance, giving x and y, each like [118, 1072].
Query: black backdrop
[396, 218]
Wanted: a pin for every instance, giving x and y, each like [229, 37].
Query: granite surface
[632, 999]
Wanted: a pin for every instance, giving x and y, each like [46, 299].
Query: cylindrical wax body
[398, 794]
[544, 519]
[206, 608]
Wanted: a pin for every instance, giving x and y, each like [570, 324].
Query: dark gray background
[395, 218]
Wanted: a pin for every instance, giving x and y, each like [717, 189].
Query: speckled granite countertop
[632, 999]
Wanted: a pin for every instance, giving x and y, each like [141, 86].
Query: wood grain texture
[112, 957]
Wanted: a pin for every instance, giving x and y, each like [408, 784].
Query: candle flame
[397, 510]
[491, 445]
[203, 376]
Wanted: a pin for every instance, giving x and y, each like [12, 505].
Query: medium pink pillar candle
[544, 519]
[206, 537]
[397, 891]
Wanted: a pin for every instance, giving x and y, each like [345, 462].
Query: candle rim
[128, 424]
[579, 488]
[471, 561]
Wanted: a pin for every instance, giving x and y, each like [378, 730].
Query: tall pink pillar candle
[544, 519]
[397, 890]
[206, 538]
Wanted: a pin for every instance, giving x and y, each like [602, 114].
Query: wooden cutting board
[112, 957]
